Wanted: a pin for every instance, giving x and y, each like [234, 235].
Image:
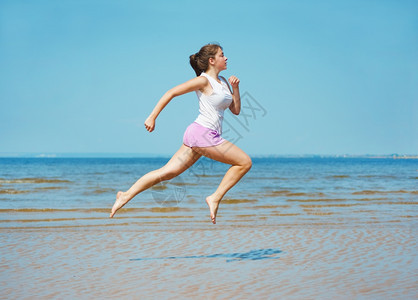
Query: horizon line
[162, 155]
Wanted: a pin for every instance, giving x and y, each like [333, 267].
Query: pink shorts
[197, 135]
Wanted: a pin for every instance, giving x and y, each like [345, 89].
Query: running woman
[203, 136]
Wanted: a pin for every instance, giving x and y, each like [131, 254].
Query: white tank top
[212, 107]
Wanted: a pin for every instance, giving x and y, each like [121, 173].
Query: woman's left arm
[189, 86]
[235, 106]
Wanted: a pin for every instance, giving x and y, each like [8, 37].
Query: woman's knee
[246, 163]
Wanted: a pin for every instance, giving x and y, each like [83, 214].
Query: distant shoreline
[149, 155]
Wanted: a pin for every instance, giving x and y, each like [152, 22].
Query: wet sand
[189, 261]
[292, 229]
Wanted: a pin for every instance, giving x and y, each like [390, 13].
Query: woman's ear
[211, 61]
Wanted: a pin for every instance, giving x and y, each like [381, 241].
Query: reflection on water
[250, 255]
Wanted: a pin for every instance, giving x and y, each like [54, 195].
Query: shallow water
[293, 227]
[79, 192]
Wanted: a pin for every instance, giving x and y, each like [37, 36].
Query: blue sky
[322, 77]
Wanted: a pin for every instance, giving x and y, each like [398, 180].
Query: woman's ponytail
[194, 64]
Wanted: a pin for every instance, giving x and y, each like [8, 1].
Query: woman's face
[220, 60]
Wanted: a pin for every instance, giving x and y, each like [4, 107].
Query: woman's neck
[213, 73]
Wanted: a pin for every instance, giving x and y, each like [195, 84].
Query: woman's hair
[200, 60]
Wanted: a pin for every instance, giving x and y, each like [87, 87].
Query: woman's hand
[149, 124]
[233, 81]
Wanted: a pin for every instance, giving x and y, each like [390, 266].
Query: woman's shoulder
[201, 80]
[198, 80]
[206, 76]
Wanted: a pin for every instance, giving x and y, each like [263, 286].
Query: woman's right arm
[198, 83]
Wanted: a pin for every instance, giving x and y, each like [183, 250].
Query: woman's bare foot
[213, 207]
[119, 203]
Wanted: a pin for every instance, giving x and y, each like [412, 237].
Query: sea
[79, 192]
[292, 228]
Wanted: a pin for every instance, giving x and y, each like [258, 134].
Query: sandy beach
[219, 262]
[292, 229]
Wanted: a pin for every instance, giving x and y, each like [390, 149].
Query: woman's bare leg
[183, 159]
[240, 163]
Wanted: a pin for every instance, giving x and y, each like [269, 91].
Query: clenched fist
[233, 81]
[149, 124]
